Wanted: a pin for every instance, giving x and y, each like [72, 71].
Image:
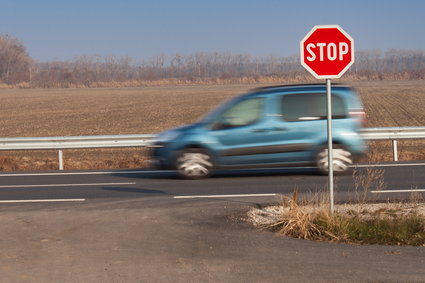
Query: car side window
[243, 113]
[310, 106]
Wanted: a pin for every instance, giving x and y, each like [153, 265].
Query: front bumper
[158, 157]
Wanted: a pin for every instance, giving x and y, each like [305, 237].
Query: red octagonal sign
[327, 51]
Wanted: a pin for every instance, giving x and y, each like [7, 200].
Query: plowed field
[65, 112]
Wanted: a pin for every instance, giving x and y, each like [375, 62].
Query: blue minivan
[267, 127]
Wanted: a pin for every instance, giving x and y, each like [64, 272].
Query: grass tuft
[387, 225]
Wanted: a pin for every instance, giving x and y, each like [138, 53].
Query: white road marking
[387, 165]
[79, 173]
[42, 200]
[398, 191]
[66, 185]
[225, 196]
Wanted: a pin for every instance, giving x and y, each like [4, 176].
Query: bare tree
[16, 66]
[15, 63]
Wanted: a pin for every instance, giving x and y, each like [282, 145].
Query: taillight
[359, 115]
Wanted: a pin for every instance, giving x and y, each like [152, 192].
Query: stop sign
[327, 51]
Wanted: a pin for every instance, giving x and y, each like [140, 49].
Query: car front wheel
[194, 163]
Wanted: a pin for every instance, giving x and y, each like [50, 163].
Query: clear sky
[64, 29]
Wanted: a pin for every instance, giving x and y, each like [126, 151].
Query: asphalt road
[149, 226]
[132, 184]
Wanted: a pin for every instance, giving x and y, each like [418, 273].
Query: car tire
[194, 163]
[342, 159]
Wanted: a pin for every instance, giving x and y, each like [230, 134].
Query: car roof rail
[266, 88]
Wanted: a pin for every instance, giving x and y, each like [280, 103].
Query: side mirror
[223, 123]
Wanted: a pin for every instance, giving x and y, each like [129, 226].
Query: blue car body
[268, 127]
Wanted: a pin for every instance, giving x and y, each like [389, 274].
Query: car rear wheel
[342, 159]
[194, 163]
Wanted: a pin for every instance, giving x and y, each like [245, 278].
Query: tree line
[17, 68]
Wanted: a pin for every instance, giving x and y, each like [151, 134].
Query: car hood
[174, 133]
[185, 128]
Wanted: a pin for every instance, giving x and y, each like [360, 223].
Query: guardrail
[75, 142]
[144, 140]
[393, 134]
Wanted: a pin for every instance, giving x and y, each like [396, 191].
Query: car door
[241, 132]
[291, 114]
[303, 118]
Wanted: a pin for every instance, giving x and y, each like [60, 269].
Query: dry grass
[367, 180]
[378, 223]
[363, 220]
[103, 111]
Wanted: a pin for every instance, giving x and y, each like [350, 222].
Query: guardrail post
[60, 160]
[395, 153]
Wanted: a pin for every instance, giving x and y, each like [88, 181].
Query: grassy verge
[362, 221]
[384, 224]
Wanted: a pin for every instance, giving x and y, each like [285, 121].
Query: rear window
[310, 106]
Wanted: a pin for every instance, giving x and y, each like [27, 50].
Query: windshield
[210, 117]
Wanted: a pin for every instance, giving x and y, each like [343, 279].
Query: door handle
[261, 130]
[274, 129]
[279, 129]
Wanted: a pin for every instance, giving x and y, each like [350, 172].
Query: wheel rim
[194, 164]
[341, 160]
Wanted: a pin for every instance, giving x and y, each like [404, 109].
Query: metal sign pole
[327, 52]
[330, 149]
